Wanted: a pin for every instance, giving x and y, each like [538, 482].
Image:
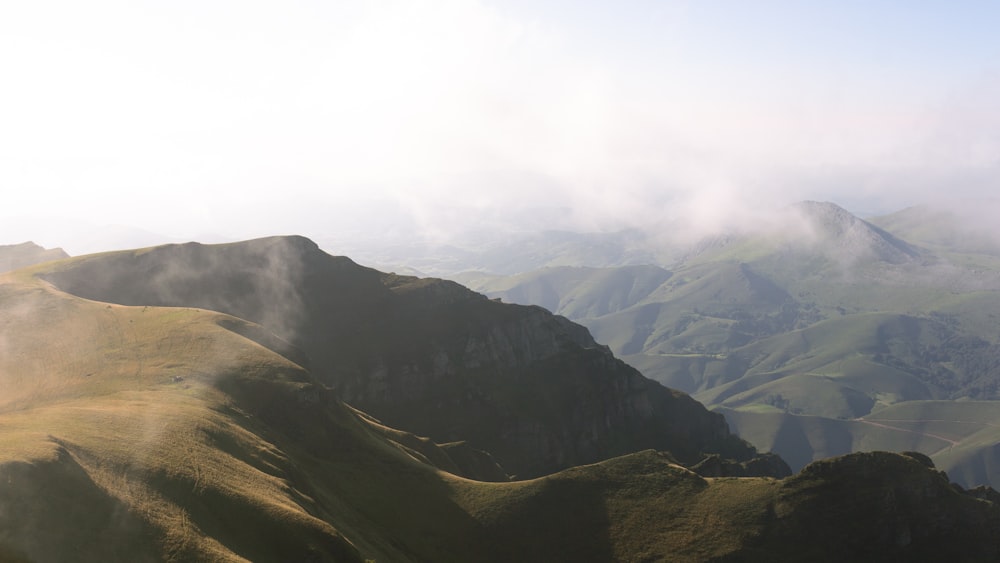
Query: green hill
[818, 313]
[963, 229]
[153, 433]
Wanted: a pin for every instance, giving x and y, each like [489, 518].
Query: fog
[134, 123]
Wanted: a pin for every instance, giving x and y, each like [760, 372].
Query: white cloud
[256, 117]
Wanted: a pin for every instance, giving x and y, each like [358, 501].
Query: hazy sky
[246, 118]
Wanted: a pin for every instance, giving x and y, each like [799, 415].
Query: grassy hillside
[818, 314]
[531, 388]
[147, 433]
[119, 414]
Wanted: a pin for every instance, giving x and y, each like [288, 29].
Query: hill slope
[426, 355]
[142, 433]
[818, 314]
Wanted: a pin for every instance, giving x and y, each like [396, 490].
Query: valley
[822, 323]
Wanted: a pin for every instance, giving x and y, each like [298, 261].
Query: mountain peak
[826, 212]
[838, 232]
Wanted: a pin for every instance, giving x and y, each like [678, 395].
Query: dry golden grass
[130, 396]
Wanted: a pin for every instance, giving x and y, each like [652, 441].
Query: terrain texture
[427, 355]
[816, 334]
[145, 432]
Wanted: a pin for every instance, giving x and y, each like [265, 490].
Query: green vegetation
[427, 355]
[795, 330]
[152, 433]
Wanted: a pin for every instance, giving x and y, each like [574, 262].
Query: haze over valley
[467, 280]
[188, 401]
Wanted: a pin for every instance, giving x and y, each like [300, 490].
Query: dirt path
[898, 429]
[938, 420]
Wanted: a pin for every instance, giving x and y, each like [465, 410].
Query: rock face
[424, 355]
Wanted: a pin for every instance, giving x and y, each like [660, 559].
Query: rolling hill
[819, 315]
[175, 433]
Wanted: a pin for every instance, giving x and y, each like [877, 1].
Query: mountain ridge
[144, 432]
[14, 256]
[819, 314]
[427, 355]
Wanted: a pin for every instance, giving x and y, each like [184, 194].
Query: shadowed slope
[150, 434]
[426, 355]
[642, 507]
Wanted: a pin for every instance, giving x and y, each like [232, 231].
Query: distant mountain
[811, 321]
[509, 253]
[807, 238]
[578, 292]
[80, 236]
[834, 229]
[16, 256]
[152, 433]
[426, 355]
[968, 228]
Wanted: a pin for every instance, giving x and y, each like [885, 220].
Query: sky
[127, 122]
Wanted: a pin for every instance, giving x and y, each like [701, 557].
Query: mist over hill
[16, 256]
[157, 428]
[808, 326]
[533, 389]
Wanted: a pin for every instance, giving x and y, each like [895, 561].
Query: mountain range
[267, 401]
[816, 334]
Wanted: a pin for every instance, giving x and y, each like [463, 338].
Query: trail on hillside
[982, 423]
[919, 433]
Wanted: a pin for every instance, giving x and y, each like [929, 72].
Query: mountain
[803, 329]
[965, 228]
[177, 433]
[16, 256]
[533, 389]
